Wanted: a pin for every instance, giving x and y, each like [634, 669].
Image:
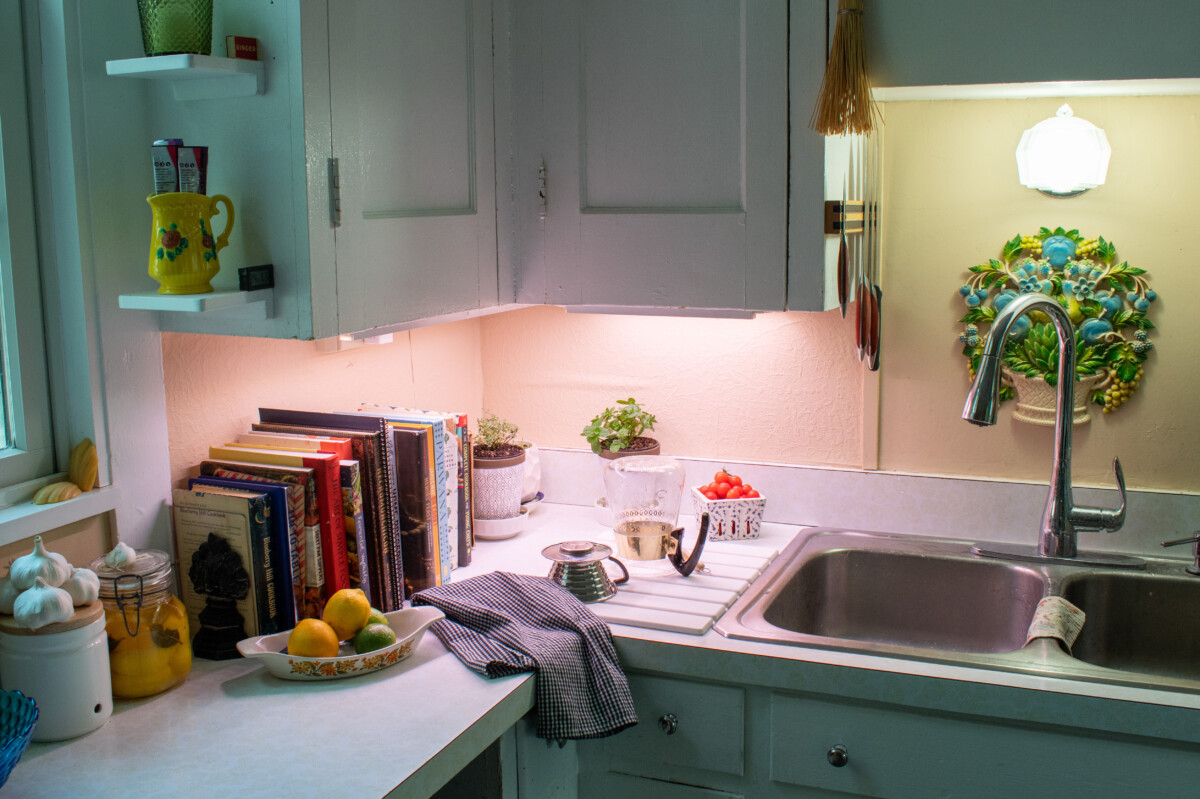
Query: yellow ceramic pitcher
[183, 248]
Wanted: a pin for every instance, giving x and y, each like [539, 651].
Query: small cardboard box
[730, 519]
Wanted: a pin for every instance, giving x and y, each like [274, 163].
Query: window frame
[25, 357]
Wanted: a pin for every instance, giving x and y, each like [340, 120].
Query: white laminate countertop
[232, 729]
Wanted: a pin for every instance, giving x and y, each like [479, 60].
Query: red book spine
[333, 526]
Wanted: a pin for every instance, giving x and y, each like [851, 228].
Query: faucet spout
[1057, 537]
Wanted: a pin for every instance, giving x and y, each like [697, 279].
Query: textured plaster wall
[788, 387]
[216, 384]
[782, 387]
[953, 199]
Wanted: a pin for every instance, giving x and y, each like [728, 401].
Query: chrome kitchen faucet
[1061, 520]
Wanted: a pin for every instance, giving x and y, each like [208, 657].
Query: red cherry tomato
[751, 494]
[734, 480]
[734, 493]
[723, 489]
[721, 477]
[711, 495]
[746, 489]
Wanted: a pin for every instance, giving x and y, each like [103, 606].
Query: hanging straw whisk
[845, 104]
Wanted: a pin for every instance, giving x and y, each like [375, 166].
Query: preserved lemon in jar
[149, 646]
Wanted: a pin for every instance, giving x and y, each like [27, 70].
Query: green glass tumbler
[176, 26]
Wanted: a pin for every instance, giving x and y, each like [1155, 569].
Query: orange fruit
[313, 638]
[347, 611]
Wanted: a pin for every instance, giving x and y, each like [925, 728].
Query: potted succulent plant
[1107, 301]
[498, 470]
[619, 431]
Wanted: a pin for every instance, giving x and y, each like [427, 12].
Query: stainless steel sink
[1146, 622]
[936, 598]
[933, 599]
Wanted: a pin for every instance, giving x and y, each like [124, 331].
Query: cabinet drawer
[894, 753]
[611, 785]
[707, 732]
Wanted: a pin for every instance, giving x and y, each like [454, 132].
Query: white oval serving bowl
[409, 624]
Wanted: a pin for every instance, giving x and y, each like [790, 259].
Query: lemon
[313, 638]
[376, 617]
[347, 611]
[372, 637]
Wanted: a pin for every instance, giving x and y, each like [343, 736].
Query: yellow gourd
[84, 465]
[56, 492]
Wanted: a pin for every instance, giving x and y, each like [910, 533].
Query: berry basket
[730, 519]
[18, 714]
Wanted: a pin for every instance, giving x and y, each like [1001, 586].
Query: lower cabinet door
[611, 785]
[877, 750]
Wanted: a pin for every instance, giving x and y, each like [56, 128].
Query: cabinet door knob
[837, 756]
[668, 723]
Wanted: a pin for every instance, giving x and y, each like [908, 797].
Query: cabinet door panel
[411, 102]
[666, 152]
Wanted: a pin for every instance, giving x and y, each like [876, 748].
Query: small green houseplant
[497, 469]
[620, 430]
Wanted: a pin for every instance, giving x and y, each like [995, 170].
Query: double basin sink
[936, 600]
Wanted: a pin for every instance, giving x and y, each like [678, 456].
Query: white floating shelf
[256, 304]
[196, 77]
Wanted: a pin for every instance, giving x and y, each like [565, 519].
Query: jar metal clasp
[136, 608]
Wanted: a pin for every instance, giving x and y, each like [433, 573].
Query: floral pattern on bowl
[1108, 302]
[409, 624]
[730, 519]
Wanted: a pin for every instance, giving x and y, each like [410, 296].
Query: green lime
[376, 617]
[372, 637]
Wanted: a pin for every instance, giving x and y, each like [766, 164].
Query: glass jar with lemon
[147, 626]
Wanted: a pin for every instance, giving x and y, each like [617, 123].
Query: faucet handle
[1193, 539]
[1091, 519]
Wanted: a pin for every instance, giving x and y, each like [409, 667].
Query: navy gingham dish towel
[501, 623]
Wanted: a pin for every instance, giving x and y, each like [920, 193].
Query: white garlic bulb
[42, 604]
[8, 595]
[83, 585]
[49, 566]
[122, 555]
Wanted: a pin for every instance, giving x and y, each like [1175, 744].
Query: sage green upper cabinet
[651, 144]
[411, 102]
[932, 42]
[399, 95]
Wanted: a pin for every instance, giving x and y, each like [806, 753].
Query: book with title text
[445, 465]
[236, 567]
[305, 527]
[329, 501]
[373, 449]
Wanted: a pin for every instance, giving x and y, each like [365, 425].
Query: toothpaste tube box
[193, 169]
[178, 167]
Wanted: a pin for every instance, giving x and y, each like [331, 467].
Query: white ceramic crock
[63, 667]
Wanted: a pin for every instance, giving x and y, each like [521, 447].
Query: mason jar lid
[148, 573]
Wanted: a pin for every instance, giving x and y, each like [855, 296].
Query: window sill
[24, 519]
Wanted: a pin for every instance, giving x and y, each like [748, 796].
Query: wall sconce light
[1063, 156]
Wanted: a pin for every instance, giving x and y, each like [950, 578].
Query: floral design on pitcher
[207, 242]
[172, 242]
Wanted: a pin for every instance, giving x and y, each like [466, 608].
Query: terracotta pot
[621, 453]
[498, 484]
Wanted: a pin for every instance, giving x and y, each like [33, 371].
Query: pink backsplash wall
[782, 387]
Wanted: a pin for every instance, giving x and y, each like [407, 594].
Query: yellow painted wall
[953, 199]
